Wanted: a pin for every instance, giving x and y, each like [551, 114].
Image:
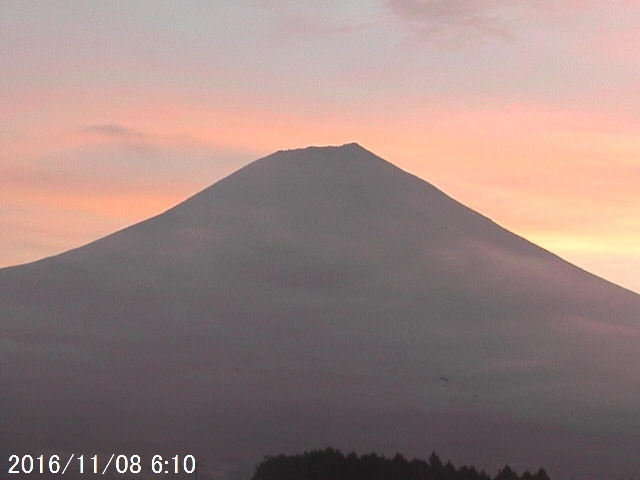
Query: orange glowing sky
[527, 111]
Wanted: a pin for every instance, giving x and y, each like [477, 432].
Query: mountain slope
[313, 298]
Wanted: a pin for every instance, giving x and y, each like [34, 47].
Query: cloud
[463, 21]
[458, 21]
[111, 130]
[133, 141]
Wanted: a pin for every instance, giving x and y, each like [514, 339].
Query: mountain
[320, 297]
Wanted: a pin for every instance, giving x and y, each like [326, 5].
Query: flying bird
[444, 379]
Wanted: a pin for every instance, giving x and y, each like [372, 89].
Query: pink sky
[113, 112]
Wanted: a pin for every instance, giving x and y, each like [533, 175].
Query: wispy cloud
[458, 21]
[132, 140]
[463, 21]
[111, 130]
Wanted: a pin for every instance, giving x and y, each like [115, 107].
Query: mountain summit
[318, 297]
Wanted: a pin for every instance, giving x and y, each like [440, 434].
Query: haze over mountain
[314, 298]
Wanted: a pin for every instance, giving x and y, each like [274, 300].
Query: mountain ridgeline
[317, 297]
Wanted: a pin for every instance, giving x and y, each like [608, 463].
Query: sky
[525, 111]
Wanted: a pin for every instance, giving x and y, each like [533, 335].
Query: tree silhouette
[331, 464]
[507, 474]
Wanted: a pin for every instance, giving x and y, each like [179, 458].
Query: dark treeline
[330, 464]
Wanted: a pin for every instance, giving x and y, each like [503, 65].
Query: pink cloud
[461, 22]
